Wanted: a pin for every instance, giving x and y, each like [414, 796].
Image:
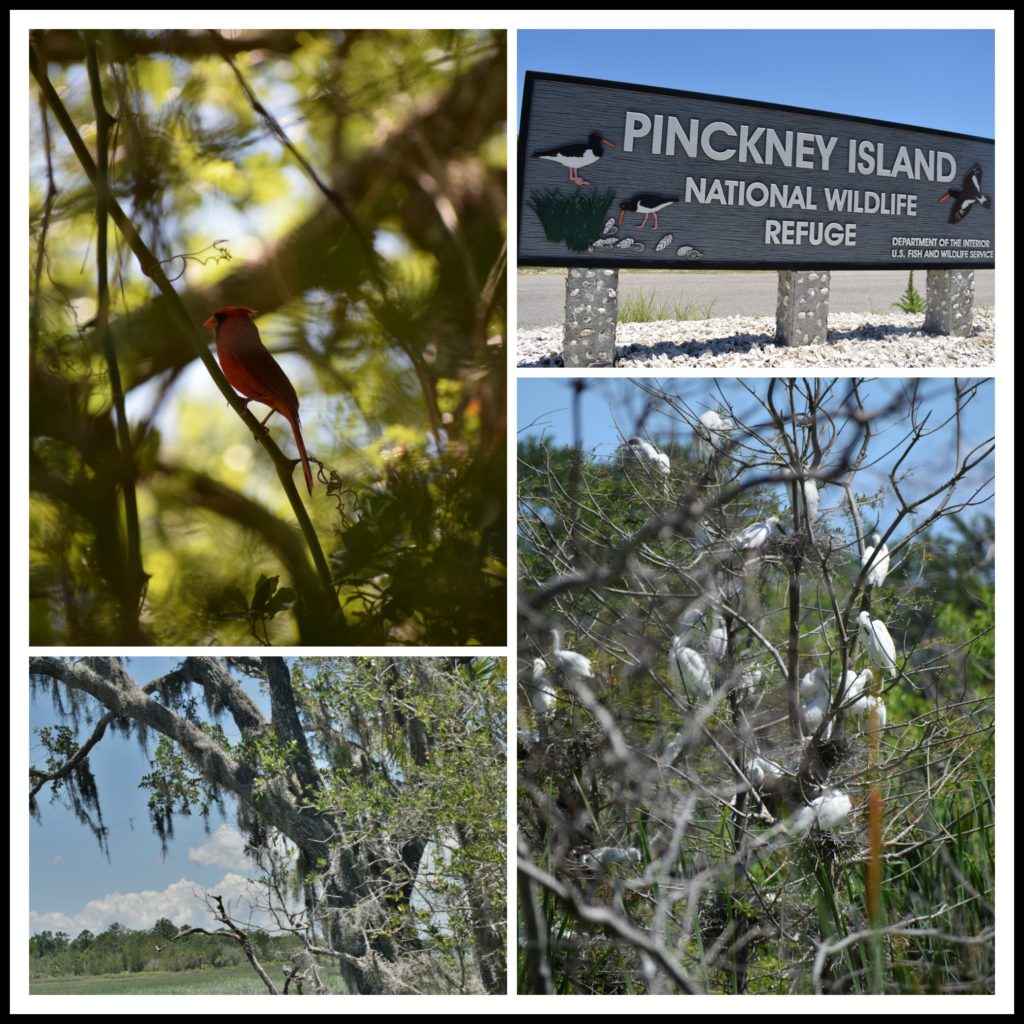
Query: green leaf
[265, 587]
[284, 597]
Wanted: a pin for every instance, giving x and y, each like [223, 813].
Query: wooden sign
[615, 175]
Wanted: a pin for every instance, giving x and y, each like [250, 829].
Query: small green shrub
[911, 301]
[643, 309]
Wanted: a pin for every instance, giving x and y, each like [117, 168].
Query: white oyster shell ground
[854, 339]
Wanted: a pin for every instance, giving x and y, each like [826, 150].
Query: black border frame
[643, 263]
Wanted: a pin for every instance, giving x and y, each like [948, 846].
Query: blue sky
[940, 78]
[612, 408]
[68, 871]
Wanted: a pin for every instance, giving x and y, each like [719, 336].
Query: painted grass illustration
[571, 217]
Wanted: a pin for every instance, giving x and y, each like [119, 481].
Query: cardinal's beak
[211, 322]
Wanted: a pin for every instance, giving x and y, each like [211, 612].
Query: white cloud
[224, 849]
[181, 902]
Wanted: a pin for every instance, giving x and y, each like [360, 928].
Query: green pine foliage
[911, 301]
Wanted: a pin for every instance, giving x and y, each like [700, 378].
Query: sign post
[614, 175]
[801, 313]
[591, 313]
[950, 298]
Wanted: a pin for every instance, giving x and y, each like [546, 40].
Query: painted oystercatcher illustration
[647, 204]
[967, 195]
[577, 155]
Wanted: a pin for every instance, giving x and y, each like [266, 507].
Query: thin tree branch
[152, 268]
[609, 919]
[133, 585]
[232, 932]
[329, 193]
[65, 46]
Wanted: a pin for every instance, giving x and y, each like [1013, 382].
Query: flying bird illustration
[967, 195]
[577, 155]
[648, 204]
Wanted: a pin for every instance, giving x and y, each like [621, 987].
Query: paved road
[542, 295]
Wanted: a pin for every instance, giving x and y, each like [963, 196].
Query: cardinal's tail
[293, 419]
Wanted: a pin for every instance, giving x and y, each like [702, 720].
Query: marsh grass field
[227, 981]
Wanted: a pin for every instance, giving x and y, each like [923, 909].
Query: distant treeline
[119, 949]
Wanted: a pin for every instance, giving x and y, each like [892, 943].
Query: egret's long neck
[556, 642]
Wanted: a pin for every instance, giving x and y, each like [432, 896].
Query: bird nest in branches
[832, 845]
[827, 754]
[732, 921]
[564, 747]
[791, 545]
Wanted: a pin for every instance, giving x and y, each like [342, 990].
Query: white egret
[718, 638]
[761, 772]
[825, 811]
[606, 856]
[815, 695]
[571, 663]
[858, 685]
[713, 421]
[749, 680]
[541, 692]
[755, 536]
[746, 685]
[868, 706]
[526, 741]
[712, 433]
[814, 712]
[749, 695]
[674, 748]
[688, 667]
[687, 622]
[864, 702]
[852, 685]
[646, 452]
[813, 683]
[811, 500]
[641, 447]
[877, 554]
[877, 642]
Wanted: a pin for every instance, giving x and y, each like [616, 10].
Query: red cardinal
[251, 369]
